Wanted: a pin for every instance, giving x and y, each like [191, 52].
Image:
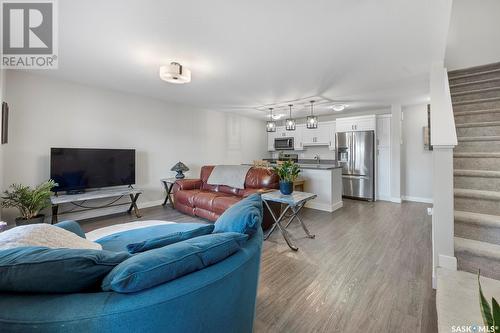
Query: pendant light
[290, 122]
[271, 124]
[312, 120]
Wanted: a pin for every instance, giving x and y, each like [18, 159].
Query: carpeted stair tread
[477, 248]
[477, 173]
[477, 101]
[486, 220]
[470, 83]
[479, 124]
[473, 112]
[477, 194]
[478, 138]
[457, 75]
[476, 155]
[475, 91]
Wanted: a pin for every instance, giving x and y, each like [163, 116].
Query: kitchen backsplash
[309, 153]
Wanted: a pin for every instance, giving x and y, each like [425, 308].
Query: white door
[270, 140]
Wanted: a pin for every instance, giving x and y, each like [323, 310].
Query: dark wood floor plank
[368, 269]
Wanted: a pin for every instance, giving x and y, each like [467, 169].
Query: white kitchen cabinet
[362, 123]
[282, 133]
[321, 136]
[270, 141]
[297, 137]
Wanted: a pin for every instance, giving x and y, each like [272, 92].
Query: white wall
[474, 34]
[49, 113]
[416, 162]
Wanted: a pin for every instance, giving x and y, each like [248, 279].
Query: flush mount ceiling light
[277, 116]
[312, 120]
[290, 122]
[270, 125]
[339, 107]
[175, 73]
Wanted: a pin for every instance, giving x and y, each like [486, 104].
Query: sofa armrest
[187, 184]
[250, 191]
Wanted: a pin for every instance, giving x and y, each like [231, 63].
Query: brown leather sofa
[197, 198]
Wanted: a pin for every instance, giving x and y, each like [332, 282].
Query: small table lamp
[179, 168]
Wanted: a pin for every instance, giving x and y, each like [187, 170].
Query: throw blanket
[229, 175]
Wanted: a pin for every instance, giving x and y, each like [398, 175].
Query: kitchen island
[324, 180]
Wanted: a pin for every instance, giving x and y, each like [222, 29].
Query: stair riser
[471, 263]
[477, 106]
[481, 206]
[478, 146]
[477, 95]
[479, 131]
[477, 183]
[475, 118]
[464, 163]
[477, 69]
[474, 78]
[477, 232]
[476, 86]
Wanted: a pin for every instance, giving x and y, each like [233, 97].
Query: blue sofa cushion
[118, 242]
[172, 238]
[157, 266]
[244, 216]
[72, 226]
[45, 270]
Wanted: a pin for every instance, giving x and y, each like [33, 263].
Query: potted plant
[29, 201]
[288, 172]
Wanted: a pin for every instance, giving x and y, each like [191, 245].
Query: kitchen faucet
[317, 158]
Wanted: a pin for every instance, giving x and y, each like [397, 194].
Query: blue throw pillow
[45, 270]
[172, 238]
[157, 266]
[72, 226]
[244, 216]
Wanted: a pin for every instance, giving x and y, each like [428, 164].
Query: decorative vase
[286, 187]
[37, 219]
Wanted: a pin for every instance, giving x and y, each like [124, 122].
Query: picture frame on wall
[5, 123]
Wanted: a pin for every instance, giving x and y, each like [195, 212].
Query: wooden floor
[368, 270]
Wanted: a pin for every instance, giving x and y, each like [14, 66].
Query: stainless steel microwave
[283, 143]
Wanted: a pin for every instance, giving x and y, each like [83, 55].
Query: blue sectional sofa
[218, 298]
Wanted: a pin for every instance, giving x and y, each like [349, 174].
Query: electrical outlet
[429, 211]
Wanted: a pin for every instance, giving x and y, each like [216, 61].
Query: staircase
[475, 95]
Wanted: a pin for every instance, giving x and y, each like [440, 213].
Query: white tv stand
[78, 199]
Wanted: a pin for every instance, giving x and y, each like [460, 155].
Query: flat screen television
[77, 169]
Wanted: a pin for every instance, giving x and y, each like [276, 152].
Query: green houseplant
[288, 172]
[491, 314]
[29, 201]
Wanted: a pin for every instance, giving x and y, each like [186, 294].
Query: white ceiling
[245, 54]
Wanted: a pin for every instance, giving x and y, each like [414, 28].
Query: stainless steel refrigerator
[356, 154]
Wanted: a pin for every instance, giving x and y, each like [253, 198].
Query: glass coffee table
[294, 202]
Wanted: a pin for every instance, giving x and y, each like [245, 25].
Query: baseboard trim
[447, 262]
[395, 200]
[417, 199]
[325, 207]
[148, 204]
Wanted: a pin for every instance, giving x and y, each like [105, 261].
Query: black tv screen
[77, 169]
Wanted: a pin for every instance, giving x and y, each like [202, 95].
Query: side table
[294, 202]
[168, 184]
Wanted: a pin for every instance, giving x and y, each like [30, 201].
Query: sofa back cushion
[45, 270]
[157, 266]
[243, 217]
[256, 178]
[175, 237]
